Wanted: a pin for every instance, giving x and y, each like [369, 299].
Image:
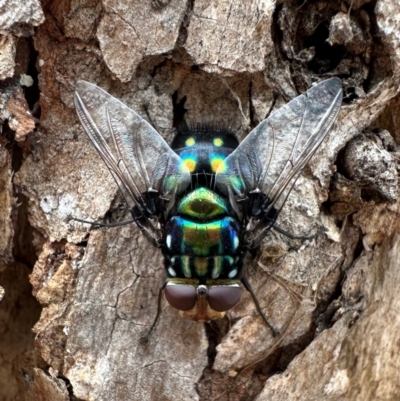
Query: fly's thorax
[203, 149]
[202, 302]
[204, 159]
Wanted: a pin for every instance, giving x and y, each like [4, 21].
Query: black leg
[292, 236]
[95, 223]
[246, 284]
[139, 218]
[160, 292]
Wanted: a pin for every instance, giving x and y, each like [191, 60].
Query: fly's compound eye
[180, 296]
[223, 298]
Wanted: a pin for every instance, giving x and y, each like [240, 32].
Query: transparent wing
[137, 156]
[271, 157]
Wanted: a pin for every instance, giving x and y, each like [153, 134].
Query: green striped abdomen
[202, 241]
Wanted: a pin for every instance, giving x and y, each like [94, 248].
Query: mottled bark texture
[227, 63]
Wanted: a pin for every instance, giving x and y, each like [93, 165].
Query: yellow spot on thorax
[190, 141]
[217, 163]
[218, 142]
[190, 164]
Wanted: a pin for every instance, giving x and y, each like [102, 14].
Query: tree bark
[226, 64]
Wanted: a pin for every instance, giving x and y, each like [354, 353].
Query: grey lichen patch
[232, 36]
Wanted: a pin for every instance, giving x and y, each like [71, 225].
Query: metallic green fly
[206, 199]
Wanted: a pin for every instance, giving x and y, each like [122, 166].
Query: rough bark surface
[90, 295]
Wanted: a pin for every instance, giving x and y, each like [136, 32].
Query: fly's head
[202, 302]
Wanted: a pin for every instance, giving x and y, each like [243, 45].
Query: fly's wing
[272, 156]
[136, 155]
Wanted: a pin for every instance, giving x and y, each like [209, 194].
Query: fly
[206, 199]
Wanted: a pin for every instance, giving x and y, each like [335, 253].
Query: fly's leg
[247, 285]
[292, 236]
[159, 300]
[138, 218]
[97, 224]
